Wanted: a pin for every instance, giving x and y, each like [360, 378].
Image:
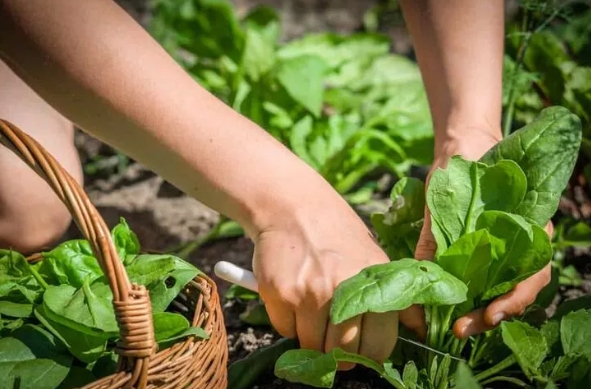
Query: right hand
[298, 263]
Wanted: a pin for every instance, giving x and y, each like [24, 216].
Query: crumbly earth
[164, 218]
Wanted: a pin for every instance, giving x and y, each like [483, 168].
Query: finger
[379, 332]
[311, 326]
[413, 318]
[517, 300]
[345, 335]
[426, 245]
[471, 324]
[282, 319]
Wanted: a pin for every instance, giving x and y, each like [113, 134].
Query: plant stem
[505, 363]
[38, 277]
[512, 380]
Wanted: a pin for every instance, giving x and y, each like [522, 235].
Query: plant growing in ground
[488, 218]
[57, 323]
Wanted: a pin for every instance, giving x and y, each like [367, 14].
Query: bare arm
[100, 69]
[459, 47]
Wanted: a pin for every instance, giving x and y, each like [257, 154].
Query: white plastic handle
[236, 275]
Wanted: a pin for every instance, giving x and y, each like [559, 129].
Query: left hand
[512, 304]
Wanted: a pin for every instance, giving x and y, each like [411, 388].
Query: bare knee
[31, 216]
[38, 227]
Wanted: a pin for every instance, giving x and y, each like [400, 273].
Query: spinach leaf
[314, 368]
[167, 325]
[88, 309]
[527, 344]
[70, 263]
[302, 79]
[163, 275]
[520, 250]
[546, 149]
[468, 259]
[9, 308]
[575, 335]
[87, 348]
[582, 302]
[399, 228]
[464, 379]
[125, 240]
[458, 195]
[33, 356]
[395, 286]
[19, 281]
[258, 56]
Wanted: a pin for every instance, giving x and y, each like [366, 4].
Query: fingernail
[497, 318]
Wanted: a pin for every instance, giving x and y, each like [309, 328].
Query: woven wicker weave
[190, 363]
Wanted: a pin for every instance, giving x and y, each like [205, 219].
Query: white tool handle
[236, 275]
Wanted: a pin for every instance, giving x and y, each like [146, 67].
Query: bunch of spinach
[488, 219]
[57, 323]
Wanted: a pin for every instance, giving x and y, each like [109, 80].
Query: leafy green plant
[488, 220]
[344, 104]
[57, 323]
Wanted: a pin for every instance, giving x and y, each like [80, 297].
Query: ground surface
[164, 218]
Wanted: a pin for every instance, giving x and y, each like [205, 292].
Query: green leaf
[302, 79]
[520, 250]
[307, 367]
[243, 373]
[314, 368]
[298, 141]
[163, 275]
[258, 57]
[71, 263]
[399, 228]
[568, 306]
[32, 356]
[574, 333]
[468, 259]
[88, 309]
[464, 379]
[77, 378]
[83, 346]
[13, 265]
[9, 308]
[410, 375]
[167, 325]
[125, 240]
[546, 149]
[395, 286]
[527, 344]
[196, 332]
[459, 194]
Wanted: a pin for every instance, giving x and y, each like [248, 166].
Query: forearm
[100, 69]
[459, 47]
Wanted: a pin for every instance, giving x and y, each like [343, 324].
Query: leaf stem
[38, 277]
[511, 380]
[499, 367]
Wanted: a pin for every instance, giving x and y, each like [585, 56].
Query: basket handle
[131, 302]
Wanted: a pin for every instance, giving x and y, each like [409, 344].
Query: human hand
[298, 262]
[473, 145]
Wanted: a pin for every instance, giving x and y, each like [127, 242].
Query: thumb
[516, 301]
[426, 245]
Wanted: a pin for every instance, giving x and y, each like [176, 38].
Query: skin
[459, 47]
[113, 81]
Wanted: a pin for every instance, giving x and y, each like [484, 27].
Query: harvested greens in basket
[57, 323]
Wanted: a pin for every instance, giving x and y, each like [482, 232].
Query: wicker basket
[191, 363]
